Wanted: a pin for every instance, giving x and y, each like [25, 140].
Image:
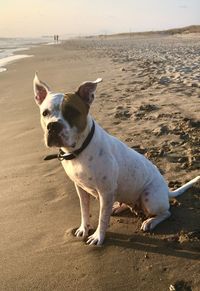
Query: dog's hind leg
[155, 202]
[151, 222]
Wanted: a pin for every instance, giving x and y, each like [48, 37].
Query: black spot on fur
[101, 152]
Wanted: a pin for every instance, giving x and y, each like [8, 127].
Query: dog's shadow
[150, 244]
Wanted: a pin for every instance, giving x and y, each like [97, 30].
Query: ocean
[10, 46]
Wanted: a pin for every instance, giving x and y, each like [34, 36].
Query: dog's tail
[183, 188]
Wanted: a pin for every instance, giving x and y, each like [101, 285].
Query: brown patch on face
[75, 111]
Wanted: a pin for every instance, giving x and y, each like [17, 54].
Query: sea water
[9, 48]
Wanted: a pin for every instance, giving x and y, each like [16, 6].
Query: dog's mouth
[54, 140]
[58, 140]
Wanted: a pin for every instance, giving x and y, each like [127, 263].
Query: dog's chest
[82, 176]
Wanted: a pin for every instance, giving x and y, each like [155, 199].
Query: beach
[149, 99]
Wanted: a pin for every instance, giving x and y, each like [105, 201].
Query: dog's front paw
[82, 231]
[96, 238]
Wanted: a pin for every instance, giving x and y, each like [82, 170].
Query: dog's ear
[87, 89]
[40, 90]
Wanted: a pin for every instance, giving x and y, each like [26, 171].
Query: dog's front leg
[106, 203]
[84, 198]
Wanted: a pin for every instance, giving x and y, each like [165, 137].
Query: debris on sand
[180, 286]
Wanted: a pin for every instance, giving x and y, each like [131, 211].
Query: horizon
[96, 34]
[83, 17]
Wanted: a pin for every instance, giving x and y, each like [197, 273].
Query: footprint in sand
[122, 113]
[144, 109]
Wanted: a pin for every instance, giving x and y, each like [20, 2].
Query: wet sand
[150, 99]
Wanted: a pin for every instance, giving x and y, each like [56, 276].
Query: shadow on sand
[154, 245]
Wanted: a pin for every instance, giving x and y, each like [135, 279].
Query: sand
[150, 99]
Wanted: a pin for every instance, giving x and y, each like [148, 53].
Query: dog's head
[63, 116]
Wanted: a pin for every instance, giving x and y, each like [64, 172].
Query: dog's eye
[45, 112]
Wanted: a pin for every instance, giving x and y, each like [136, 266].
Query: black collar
[65, 156]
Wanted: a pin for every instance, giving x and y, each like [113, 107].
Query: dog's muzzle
[53, 137]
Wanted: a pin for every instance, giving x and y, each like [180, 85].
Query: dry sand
[150, 99]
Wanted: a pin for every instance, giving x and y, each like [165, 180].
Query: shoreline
[10, 54]
[11, 59]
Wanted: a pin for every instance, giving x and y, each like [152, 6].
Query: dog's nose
[54, 126]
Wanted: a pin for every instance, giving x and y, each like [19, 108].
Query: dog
[98, 163]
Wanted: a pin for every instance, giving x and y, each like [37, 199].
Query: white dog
[98, 163]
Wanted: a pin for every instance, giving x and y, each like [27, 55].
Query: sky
[34, 18]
